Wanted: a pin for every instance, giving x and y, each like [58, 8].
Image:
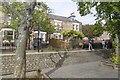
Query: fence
[59, 43]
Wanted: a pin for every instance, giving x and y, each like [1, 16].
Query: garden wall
[43, 60]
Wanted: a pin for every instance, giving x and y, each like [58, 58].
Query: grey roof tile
[62, 18]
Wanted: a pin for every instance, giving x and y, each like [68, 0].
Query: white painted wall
[41, 35]
[7, 29]
[58, 35]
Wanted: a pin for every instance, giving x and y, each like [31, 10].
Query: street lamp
[38, 38]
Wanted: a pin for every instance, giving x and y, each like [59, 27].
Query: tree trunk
[20, 67]
[117, 50]
[28, 41]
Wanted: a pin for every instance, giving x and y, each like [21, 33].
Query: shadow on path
[104, 53]
[59, 63]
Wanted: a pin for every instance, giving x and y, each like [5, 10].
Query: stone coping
[30, 53]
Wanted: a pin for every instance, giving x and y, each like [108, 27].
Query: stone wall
[50, 59]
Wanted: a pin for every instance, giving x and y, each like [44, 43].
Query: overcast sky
[65, 7]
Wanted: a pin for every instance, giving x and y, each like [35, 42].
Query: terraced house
[64, 24]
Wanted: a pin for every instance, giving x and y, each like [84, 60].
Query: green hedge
[95, 45]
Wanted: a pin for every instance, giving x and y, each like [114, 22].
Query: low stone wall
[43, 60]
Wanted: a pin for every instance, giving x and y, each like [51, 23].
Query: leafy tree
[93, 30]
[40, 17]
[26, 16]
[72, 33]
[72, 36]
[107, 11]
[41, 20]
[88, 30]
[98, 30]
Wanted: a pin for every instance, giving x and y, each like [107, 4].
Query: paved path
[85, 70]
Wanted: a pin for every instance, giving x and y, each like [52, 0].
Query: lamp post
[38, 38]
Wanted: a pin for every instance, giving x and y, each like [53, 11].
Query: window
[77, 27]
[9, 33]
[56, 36]
[73, 26]
[42, 35]
[59, 36]
[60, 29]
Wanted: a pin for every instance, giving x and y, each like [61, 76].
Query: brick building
[64, 24]
[61, 24]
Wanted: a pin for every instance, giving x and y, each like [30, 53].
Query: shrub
[115, 59]
[49, 47]
[95, 45]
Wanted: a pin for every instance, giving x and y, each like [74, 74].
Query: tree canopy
[92, 30]
[25, 15]
[39, 18]
[107, 11]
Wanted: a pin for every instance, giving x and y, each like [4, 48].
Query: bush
[95, 45]
[115, 59]
[49, 47]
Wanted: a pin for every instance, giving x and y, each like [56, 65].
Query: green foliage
[115, 58]
[15, 21]
[84, 8]
[108, 11]
[98, 30]
[88, 30]
[93, 30]
[9, 38]
[19, 6]
[40, 18]
[49, 47]
[95, 46]
[72, 33]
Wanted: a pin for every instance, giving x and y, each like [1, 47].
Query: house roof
[62, 18]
